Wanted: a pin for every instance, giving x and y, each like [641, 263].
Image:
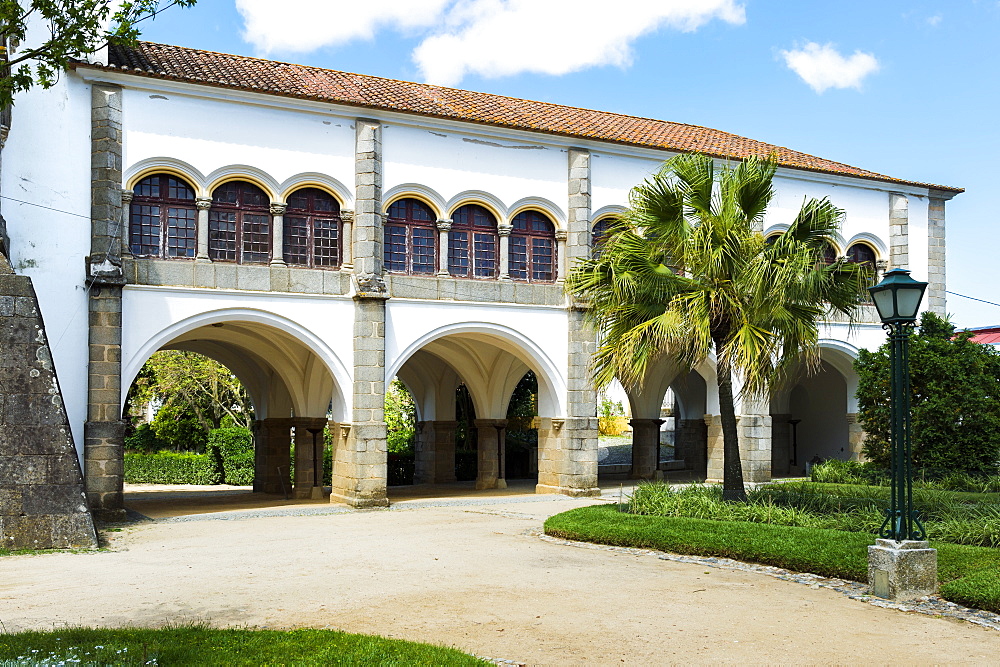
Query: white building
[321, 233]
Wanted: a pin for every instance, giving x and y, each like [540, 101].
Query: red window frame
[312, 229]
[532, 248]
[239, 224]
[599, 235]
[163, 219]
[409, 243]
[473, 243]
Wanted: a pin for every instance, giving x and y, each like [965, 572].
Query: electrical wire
[973, 298]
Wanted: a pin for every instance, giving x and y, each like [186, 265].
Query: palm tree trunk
[732, 467]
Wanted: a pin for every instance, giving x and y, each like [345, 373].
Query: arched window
[532, 248]
[239, 224]
[828, 255]
[410, 238]
[862, 253]
[312, 229]
[472, 243]
[599, 235]
[163, 218]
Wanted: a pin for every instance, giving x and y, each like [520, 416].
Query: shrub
[170, 468]
[144, 439]
[180, 429]
[231, 451]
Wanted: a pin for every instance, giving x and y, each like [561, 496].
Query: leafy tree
[74, 28]
[195, 394]
[955, 400]
[400, 419]
[684, 273]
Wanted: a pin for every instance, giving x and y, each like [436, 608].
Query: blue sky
[909, 89]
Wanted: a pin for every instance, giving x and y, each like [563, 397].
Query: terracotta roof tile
[300, 81]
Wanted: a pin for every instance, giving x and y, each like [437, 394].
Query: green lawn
[968, 575]
[205, 646]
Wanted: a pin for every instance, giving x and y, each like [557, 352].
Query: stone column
[714, 450]
[368, 257]
[855, 437]
[561, 236]
[490, 436]
[425, 454]
[104, 431]
[755, 442]
[272, 458]
[278, 233]
[203, 204]
[347, 240]
[309, 456]
[781, 444]
[444, 459]
[504, 232]
[899, 216]
[645, 448]
[443, 226]
[126, 209]
[691, 445]
[936, 297]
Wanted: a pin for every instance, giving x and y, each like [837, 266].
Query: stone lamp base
[903, 570]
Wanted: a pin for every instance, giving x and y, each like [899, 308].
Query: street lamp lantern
[897, 299]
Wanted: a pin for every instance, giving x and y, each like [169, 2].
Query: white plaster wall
[410, 323]
[917, 238]
[451, 162]
[211, 134]
[613, 175]
[46, 163]
[150, 311]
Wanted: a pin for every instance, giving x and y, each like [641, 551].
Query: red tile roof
[986, 335]
[177, 63]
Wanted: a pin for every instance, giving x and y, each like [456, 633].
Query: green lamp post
[897, 299]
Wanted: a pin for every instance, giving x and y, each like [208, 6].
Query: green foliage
[685, 273]
[969, 575]
[179, 428]
[608, 408]
[400, 419]
[955, 399]
[170, 468]
[231, 451]
[144, 439]
[196, 645]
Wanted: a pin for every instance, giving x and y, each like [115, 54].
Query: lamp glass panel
[883, 302]
[908, 301]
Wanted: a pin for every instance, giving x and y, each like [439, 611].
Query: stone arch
[166, 165]
[277, 359]
[425, 194]
[877, 244]
[328, 184]
[481, 197]
[608, 211]
[554, 213]
[242, 172]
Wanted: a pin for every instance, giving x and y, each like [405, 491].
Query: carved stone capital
[278, 208]
[561, 235]
[346, 215]
[127, 197]
[203, 203]
[370, 286]
[504, 230]
[444, 225]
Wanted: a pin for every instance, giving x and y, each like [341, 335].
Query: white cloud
[934, 20]
[299, 26]
[491, 38]
[496, 38]
[824, 67]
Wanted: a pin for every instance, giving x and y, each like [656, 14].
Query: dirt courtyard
[467, 572]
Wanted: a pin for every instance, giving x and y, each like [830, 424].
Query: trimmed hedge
[231, 451]
[170, 468]
[968, 575]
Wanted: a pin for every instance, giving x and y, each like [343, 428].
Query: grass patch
[968, 575]
[207, 646]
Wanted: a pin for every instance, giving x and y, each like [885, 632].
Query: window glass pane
[296, 240]
[181, 233]
[144, 230]
[517, 261]
[423, 250]
[148, 187]
[458, 253]
[394, 253]
[541, 260]
[177, 189]
[222, 235]
[256, 234]
[473, 215]
[227, 193]
[251, 195]
[326, 240]
[485, 255]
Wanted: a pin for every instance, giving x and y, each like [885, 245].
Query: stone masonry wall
[899, 219]
[42, 502]
[936, 297]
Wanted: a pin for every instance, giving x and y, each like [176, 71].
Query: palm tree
[684, 272]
